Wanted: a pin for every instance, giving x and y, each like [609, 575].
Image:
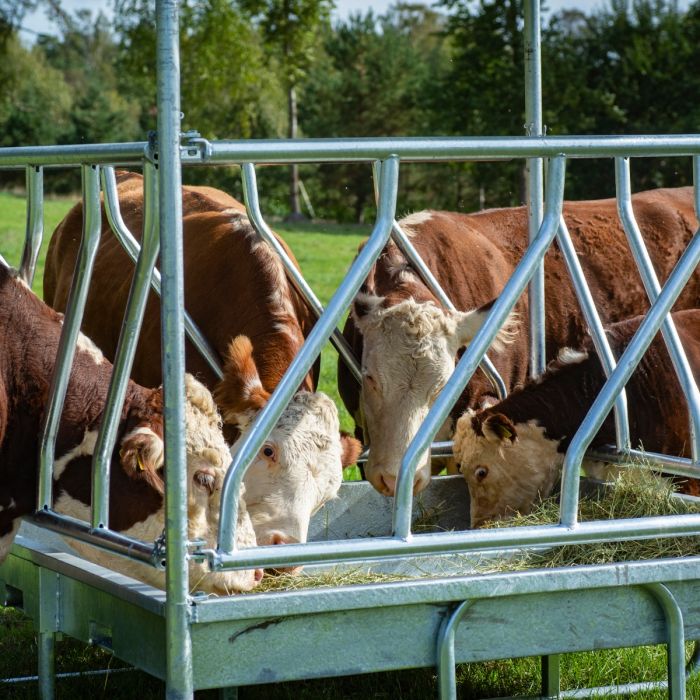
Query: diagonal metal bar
[468, 363]
[626, 365]
[70, 331]
[652, 287]
[597, 332]
[263, 423]
[132, 248]
[126, 349]
[252, 202]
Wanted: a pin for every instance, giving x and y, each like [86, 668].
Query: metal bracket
[195, 147]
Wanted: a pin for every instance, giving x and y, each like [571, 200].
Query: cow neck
[558, 402]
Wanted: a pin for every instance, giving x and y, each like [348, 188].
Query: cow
[408, 343]
[237, 292]
[30, 332]
[511, 453]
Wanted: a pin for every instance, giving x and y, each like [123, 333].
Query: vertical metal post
[47, 624]
[124, 356]
[69, 333]
[178, 642]
[551, 685]
[535, 181]
[46, 652]
[35, 223]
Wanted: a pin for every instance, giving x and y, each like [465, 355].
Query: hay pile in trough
[636, 493]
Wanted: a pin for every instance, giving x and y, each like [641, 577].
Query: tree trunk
[295, 212]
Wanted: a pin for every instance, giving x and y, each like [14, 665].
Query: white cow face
[300, 466]
[507, 470]
[408, 355]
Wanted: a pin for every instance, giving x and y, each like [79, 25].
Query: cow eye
[481, 473]
[268, 451]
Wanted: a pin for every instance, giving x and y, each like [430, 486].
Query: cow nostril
[420, 483]
[259, 573]
[389, 482]
[281, 538]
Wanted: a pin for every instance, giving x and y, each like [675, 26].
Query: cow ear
[470, 322]
[142, 456]
[240, 394]
[499, 428]
[364, 306]
[350, 448]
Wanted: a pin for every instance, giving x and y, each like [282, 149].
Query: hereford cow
[237, 292]
[30, 333]
[408, 343]
[511, 453]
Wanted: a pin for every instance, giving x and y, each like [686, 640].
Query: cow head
[300, 466]
[409, 352]
[508, 468]
[208, 458]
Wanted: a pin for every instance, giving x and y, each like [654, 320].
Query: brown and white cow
[408, 342]
[238, 294]
[30, 333]
[511, 453]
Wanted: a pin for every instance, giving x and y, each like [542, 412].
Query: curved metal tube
[252, 203]
[251, 442]
[126, 349]
[446, 651]
[70, 331]
[652, 287]
[676, 638]
[625, 367]
[696, 184]
[35, 223]
[467, 364]
[600, 340]
[132, 248]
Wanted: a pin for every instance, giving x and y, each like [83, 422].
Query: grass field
[324, 253]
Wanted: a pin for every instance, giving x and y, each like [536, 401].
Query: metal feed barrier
[195, 642]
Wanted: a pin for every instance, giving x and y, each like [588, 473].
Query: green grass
[324, 253]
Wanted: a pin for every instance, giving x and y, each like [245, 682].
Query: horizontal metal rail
[132, 248]
[460, 542]
[680, 466]
[409, 149]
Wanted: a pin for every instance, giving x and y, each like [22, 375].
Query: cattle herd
[236, 290]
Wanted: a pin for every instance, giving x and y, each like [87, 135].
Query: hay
[635, 493]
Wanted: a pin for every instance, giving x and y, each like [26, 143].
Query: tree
[290, 28]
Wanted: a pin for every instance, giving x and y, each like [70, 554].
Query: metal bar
[693, 665]
[69, 333]
[551, 680]
[436, 149]
[35, 223]
[248, 446]
[520, 538]
[696, 184]
[250, 196]
[468, 362]
[673, 465]
[126, 349]
[625, 367]
[178, 640]
[46, 651]
[132, 248]
[651, 284]
[535, 183]
[676, 639]
[75, 155]
[69, 674]
[447, 685]
[105, 539]
[597, 332]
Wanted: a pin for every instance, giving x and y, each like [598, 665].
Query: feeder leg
[550, 676]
